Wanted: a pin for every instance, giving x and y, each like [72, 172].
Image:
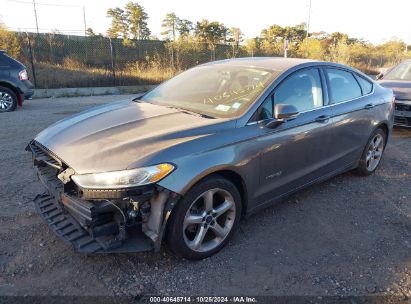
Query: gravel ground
[347, 236]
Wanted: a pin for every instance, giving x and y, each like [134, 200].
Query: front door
[297, 151]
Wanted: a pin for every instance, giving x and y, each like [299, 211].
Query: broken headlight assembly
[123, 179]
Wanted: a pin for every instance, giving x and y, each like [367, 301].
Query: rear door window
[343, 86]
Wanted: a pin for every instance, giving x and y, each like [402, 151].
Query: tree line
[185, 43]
[183, 35]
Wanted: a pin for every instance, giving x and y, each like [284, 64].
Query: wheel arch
[383, 126]
[15, 91]
[229, 174]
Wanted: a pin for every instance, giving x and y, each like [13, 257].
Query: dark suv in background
[15, 85]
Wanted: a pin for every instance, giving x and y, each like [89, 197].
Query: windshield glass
[400, 72]
[217, 90]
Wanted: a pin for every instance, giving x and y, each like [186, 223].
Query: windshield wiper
[197, 114]
[138, 98]
[191, 112]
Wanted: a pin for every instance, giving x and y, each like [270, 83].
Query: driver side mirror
[379, 76]
[285, 111]
[282, 113]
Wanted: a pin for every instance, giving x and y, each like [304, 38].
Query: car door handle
[322, 118]
[369, 106]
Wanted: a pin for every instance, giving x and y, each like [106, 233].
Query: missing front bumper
[72, 233]
[402, 114]
[100, 222]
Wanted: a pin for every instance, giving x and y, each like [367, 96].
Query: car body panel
[271, 162]
[126, 135]
[402, 89]
[402, 92]
[9, 76]
[266, 158]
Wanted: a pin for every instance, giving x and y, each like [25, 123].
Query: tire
[196, 231]
[373, 152]
[8, 100]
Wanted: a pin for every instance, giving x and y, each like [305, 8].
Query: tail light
[23, 75]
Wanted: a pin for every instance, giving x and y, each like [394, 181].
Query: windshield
[400, 72]
[217, 90]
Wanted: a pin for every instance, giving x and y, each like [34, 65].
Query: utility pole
[309, 18]
[35, 15]
[285, 48]
[84, 20]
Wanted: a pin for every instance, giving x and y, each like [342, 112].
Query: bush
[9, 42]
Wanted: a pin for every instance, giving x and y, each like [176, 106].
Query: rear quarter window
[366, 85]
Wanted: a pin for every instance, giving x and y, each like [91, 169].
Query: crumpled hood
[121, 135]
[402, 89]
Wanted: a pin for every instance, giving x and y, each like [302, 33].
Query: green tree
[211, 33]
[234, 37]
[90, 32]
[273, 33]
[136, 18]
[184, 28]
[295, 33]
[170, 25]
[128, 23]
[119, 26]
[251, 46]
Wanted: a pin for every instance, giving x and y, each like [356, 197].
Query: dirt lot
[347, 236]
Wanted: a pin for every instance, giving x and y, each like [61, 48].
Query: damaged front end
[99, 221]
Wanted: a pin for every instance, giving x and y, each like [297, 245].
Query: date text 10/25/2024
[205, 299]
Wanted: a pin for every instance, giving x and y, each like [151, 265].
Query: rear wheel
[8, 100]
[372, 154]
[205, 219]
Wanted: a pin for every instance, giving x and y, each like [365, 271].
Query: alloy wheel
[374, 153]
[6, 101]
[209, 220]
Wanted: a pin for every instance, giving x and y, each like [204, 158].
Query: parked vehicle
[398, 79]
[15, 85]
[188, 159]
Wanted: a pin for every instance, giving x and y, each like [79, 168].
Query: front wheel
[204, 220]
[372, 154]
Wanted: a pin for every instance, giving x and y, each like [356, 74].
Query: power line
[46, 4]
[22, 29]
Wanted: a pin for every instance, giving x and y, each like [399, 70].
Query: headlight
[123, 179]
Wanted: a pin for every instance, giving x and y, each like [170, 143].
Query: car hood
[123, 135]
[402, 89]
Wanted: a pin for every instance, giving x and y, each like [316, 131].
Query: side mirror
[285, 111]
[282, 113]
[379, 76]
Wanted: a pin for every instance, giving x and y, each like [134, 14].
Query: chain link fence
[62, 61]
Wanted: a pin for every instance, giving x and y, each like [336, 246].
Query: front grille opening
[402, 121]
[402, 107]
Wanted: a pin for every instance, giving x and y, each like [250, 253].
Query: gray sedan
[184, 162]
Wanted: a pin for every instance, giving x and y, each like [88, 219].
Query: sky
[373, 20]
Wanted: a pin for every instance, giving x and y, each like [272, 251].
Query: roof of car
[275, 63]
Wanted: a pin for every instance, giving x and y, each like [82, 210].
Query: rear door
[352, 116]
[297, 151]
